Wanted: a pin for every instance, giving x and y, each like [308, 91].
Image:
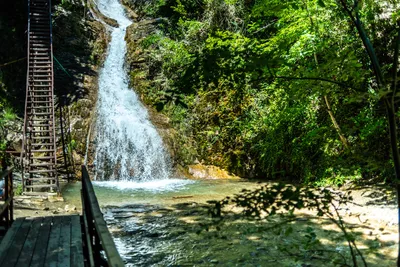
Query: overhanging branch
[313, 79]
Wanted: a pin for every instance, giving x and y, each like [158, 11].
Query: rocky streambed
[162, 227]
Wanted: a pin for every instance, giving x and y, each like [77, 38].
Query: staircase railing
[98, 238]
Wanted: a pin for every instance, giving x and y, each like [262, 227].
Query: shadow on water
[152, 235]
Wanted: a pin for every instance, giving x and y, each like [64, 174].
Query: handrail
[52, 95]
[6, 212]
[96, 228]
[23, 148]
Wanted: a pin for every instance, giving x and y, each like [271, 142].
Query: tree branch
[366, 42]
[313, 79]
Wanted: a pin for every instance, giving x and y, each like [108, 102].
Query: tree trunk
[335, 124]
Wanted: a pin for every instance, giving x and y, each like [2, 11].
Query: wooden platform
[47, 241]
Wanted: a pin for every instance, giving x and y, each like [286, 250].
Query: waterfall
[128, 147]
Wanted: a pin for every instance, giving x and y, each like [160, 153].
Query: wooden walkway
[48, 241]
[73, 240]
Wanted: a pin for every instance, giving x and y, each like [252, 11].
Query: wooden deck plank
[64, 256]
[39, 253]
[17, 244]
[53, 247]
[76, 242]
[8, 239]
[30, 242]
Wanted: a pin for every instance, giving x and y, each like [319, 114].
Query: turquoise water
[147, 219]
[163, 192]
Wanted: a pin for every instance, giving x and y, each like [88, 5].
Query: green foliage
[272, 89]
[7, 115]
[18, 190]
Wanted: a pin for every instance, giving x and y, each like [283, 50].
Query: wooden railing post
[6, 197]
[11, 196]
[6, 212]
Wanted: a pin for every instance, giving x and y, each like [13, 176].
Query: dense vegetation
[274, 89]
[79, 46]
[12, 67]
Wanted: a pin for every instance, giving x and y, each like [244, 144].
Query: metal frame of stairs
[39, 160]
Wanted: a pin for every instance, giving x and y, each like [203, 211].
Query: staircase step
[48, 145]
[37, 62]
[40, 43]
[37, 53]
[42, 186]
[41, 164]
[41, 131]
[41, 179]
[40, 114]
[39, 49]
[40, 96]
[39, 125]
[40, 86]
[39, 194]
[42, 171]
[40, 91]
[41, 76]
[39, 120]
[33, 106]
[39, 36]
[41, 137]
[43, 158]
[40, 102]
[37, 13]
[42, 150]
[40, 81]
[39, 46]
[37, 57]
[39, 70]
[39, 107]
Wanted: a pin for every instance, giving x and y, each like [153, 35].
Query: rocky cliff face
[80, 43]
[144, 72]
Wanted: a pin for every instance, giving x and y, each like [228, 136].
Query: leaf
[289, 231]
[159, 106]
[321, 3]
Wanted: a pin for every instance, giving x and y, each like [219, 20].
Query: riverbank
[38, 206]
[164, 223]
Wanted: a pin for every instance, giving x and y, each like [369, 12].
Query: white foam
[157, 185]
[128, 146]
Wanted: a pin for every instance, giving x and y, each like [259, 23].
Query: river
[159, 220]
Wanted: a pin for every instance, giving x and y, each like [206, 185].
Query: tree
[384, 83]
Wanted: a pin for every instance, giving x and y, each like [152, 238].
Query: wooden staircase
[39, 145]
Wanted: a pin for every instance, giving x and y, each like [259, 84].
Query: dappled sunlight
[181, 231]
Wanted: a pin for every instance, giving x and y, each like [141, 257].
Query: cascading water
[128, 147]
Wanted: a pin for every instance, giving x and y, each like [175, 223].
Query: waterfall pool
[165, 192]
[154, 223]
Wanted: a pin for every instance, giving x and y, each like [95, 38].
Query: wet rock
[55, 199]
[152, 235]
[134, 231]
[200, 171]
[108, 20]
[69, 208]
